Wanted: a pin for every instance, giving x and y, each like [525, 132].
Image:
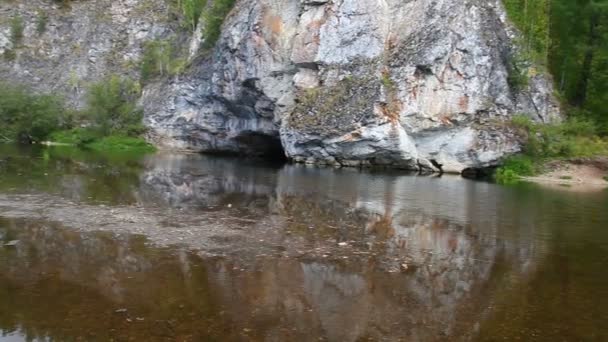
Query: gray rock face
[67, 47]
[415, 84]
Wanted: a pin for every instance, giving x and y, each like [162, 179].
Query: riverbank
[576, 174]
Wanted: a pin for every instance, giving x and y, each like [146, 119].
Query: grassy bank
[113, 122]
[574, 139]
[89, 139]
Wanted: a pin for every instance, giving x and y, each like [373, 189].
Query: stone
[418, 85]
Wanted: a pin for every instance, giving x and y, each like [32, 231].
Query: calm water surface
[354, 256]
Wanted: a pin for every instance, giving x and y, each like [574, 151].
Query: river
[185, 247]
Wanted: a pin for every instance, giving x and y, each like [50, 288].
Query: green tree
[17, 29]
[112, 107]
[570, 37]
[214, 18]
[192, 10]
[27, 117]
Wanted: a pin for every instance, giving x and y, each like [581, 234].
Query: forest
[569, 39]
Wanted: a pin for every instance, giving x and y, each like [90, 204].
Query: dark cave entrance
[262, 146]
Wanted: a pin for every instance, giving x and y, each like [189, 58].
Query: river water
[171, 247]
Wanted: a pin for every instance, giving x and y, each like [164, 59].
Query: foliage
[518, 77]
[192, 10]
[515, 167]
[579, 56]
[76, 136]
[90, 139]
[111, 120]
[112, 109]
[41, 22]
[572, 139]
[9, 54]
[214, 18]
[576, 137]
[121, 143]
[570, 38]
[387, 82]
[159, 59]
[29, 118]
[532, 18]
[16, 30]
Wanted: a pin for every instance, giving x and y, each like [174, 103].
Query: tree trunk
[581, 90]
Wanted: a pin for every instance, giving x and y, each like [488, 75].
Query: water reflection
[477, 256]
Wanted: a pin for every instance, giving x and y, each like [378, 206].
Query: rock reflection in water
[325, 258]
[86, 280]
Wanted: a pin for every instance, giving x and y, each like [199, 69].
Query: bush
[25, 117]
[76, 136]
[121, 143]
[16, 30]
[160, 58]
[192, 10]
[41, 22]
[574, 138]
[111, 107]
[214, 18]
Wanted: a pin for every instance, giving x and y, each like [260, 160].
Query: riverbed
[185, 247]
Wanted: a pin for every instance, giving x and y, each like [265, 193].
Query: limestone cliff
[415, 84]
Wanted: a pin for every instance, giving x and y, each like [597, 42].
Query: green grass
[515, 167]
[76, 136]
[574, 138]
[89, 139]
[121, 143]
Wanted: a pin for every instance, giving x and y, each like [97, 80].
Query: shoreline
[578, 174]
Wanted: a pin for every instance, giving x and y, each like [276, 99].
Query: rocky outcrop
[420, 85]
[68, 45]
[415, 85]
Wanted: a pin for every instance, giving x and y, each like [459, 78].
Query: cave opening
[261, 146]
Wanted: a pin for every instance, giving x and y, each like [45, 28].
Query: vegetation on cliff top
[210, 13]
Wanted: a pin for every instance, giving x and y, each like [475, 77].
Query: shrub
[111, 107]
[41, 22]
[76, 136]
[160, 58]
[573, 138]
[16, 30]
[30, 118]
[214, 18]
[9, 55]
[518, 77]
[121, 143]
[506, 176]
[192, 10]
